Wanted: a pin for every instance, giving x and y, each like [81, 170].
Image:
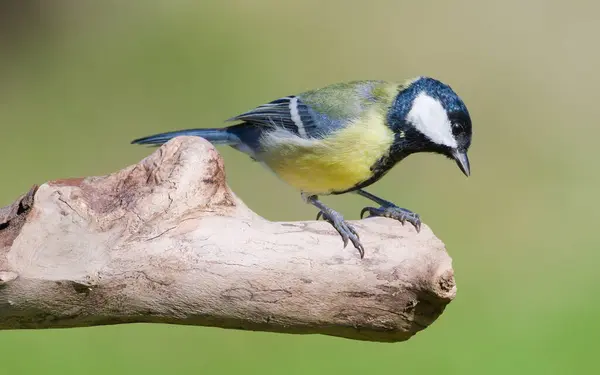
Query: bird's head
[428, 116]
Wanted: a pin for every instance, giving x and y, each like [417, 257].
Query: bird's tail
[215, 136]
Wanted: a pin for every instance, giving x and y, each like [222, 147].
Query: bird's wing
[313, 114]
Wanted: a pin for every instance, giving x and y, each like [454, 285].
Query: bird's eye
[457, 128]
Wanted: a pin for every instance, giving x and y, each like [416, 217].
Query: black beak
[462, 161]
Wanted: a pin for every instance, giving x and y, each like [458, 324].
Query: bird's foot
[345, 230]
[394, 212]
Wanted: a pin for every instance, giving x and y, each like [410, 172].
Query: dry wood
[166, 241]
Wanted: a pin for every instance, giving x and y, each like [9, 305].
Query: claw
[345, 230]
[393, 212]
[362, 212]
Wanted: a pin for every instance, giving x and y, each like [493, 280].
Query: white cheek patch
[429, 117]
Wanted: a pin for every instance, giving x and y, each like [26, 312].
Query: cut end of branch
[167, 241]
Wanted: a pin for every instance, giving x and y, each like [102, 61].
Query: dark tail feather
[214, 136]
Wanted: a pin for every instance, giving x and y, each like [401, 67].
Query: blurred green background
[80, 79]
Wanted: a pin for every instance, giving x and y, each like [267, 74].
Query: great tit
[344, 137]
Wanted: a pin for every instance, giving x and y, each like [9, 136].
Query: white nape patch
[429, 117]
[296, 117]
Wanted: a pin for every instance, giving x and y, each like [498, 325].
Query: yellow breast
[340, 161]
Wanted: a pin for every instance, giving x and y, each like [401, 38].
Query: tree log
[167, 241]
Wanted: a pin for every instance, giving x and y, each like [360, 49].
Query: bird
[343, 137]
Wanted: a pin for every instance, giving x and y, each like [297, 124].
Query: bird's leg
[337, 220]
[388, 209]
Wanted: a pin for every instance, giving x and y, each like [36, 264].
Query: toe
[343, 231]
[348, 233]
[352, 230]
[415, 220]
[345, 239]
[372, 211]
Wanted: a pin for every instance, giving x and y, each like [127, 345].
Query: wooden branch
[166, 241]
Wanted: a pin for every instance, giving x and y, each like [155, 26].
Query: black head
[428, 116]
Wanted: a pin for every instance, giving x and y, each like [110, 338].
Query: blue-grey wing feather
[316, 113]
[288, 112]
